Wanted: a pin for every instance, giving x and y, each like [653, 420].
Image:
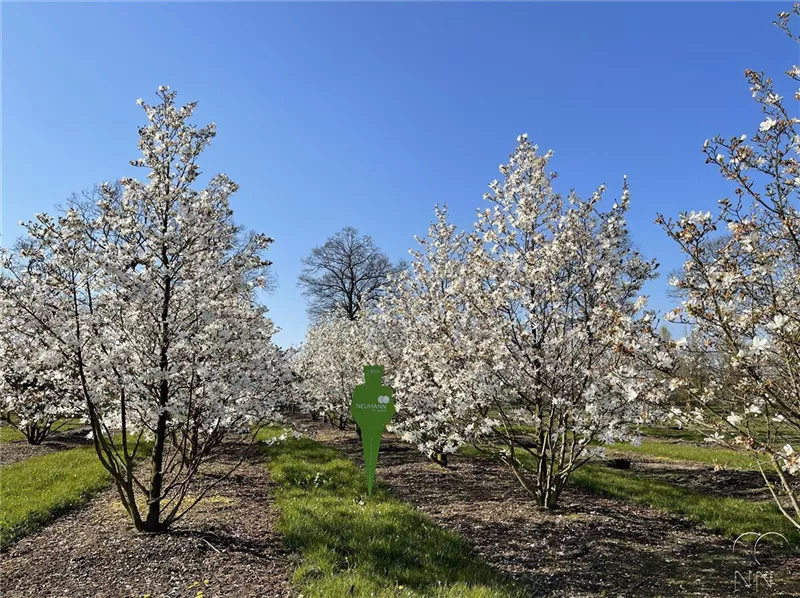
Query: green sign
[372, 408]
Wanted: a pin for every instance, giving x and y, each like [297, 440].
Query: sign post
[372, 407]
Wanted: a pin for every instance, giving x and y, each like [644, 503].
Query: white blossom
[767, 124]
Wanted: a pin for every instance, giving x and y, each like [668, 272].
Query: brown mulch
[227, 546]
[591, 546]
[18, 450]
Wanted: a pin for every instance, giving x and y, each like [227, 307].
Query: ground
[592, 546]
[19, 450]
[227, 546]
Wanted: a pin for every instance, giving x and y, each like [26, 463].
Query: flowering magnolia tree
[526, 336]
[330, 364]
[441, 382]
[35, 394]
[741, 293]
[572, 352]
[147, 298]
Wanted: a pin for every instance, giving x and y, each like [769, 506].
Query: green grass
[9, 434]
[35, 491]
[69, 424]
[673, 433]
[728, 516]
[353, 545]
[759, 429]
[680, 451]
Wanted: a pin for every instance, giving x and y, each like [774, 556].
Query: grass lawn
[34, 491]
[673, 433]
[680, 451]
[9, 433]
[353, 545]
[69, 424]
[729, 516]
[39, 489]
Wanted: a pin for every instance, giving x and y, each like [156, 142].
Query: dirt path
[228, 541]
[14, 451]
[593, 546]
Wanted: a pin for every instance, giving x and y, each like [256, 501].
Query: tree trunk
[440, 459]
[153, 523]
[194, 446]
[34, 437]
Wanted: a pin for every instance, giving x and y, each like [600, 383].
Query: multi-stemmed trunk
[36, 433]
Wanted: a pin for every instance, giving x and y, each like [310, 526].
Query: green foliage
[35, 491]
[352, 545]
[729, 516]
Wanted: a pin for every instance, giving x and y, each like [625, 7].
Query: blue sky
[369, 114]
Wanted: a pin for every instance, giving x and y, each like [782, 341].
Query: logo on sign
[371, 406]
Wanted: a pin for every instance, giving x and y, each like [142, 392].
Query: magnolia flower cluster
[35, 388]
[442, 385]
[572, 351]
[329, 366]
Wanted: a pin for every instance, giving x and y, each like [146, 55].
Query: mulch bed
[591, 546]
[18, 450]
[226, 546]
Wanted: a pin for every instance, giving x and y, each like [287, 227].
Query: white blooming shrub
[35, 392]
[147, 298]
[329, 365]
[572, 354]
[441, 381]
[526, 336]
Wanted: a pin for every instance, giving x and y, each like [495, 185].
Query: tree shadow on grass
[727, 482]
[373, 543]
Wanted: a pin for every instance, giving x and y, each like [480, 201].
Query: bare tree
[344, 275]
